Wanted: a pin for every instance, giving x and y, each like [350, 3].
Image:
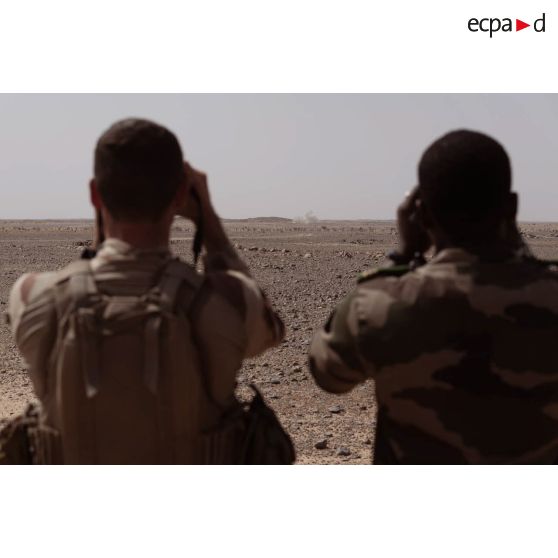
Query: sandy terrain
[304, 268]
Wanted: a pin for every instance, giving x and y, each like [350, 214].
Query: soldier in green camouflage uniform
[464, 349]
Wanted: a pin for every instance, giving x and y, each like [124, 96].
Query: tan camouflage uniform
[464, 355]
[233, 319]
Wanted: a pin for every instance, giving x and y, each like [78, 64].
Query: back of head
[465, 181]
[138, 169]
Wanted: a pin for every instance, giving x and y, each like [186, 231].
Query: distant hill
[260, 220]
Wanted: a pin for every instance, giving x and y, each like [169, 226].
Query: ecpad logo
[493, 25]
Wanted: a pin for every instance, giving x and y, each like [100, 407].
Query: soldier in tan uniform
[133, 354]
[463, 349]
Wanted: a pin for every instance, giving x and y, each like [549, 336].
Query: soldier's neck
[141, 236]
[492, 249]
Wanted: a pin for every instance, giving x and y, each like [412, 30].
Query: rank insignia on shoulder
[392, 271]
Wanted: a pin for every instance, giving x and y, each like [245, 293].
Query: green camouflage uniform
[464, 355]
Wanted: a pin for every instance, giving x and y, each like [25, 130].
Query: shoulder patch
[393, 271]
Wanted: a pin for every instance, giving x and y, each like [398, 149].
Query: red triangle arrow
[519, 25]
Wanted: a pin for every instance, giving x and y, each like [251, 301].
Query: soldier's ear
[94, 194]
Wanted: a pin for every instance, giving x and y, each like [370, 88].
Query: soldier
[462, 349]
[133, 354]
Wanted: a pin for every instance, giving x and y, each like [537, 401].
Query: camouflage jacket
[464, 355]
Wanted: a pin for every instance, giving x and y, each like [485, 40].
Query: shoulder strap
[81, 286]
[77, 267]
[174, 274]
[75, 284]
[81, 282]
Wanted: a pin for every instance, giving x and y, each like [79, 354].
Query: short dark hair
[138, 169]
[464, 178]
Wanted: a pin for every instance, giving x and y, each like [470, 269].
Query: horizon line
[295, 220]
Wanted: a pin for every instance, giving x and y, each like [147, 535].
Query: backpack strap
[81, 282]
[81, 287]
[75, 287]
[77, 267]
[151, 352]
[174, 274]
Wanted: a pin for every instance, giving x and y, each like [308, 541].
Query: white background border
[271, 46]
[322, 511]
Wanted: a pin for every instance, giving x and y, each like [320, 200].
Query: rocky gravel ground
[305, 270]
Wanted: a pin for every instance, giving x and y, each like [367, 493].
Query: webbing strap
[81, 282]
[90, 361]
[74, 303]
[81, 286]
[174, 274]
[151, 352]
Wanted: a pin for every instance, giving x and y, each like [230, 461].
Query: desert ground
[305, 268]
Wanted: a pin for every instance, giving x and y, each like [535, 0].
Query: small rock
[336, 409]
[368, 442]
[342, 451]
[297, 368]
[307, 255]
[275, 381]
[321, 444]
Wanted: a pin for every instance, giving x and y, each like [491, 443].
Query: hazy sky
[340, 156]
